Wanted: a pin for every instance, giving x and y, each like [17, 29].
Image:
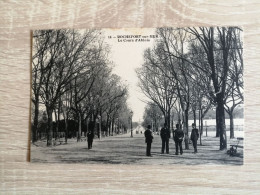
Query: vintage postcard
[144, 96]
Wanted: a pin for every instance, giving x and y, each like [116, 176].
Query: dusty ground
[122, 149]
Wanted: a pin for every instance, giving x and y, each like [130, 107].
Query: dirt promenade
[122, 149]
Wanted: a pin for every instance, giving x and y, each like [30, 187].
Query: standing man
[165, 136]
[148, 140]
[194, 137]
[90, 136]
[178, 138]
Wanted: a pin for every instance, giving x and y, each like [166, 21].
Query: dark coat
[194, 134]
[165, 133]
[90, 136]
[178, 135]
[148, 136]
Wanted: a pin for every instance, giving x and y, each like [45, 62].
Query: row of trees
[72, 80]
[192, 69]
[152, 116]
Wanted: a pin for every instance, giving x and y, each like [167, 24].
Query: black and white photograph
[138, 96]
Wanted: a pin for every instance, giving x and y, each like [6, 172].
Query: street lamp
[131, 115]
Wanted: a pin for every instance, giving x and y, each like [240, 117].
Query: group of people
[178, 136]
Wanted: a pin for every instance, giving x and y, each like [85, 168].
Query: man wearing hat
[194, 137]
[178, 138]
[165, 136]
[148, 140]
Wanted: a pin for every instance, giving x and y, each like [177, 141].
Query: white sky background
[127, 56]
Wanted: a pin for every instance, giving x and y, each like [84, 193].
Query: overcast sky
[127, 56]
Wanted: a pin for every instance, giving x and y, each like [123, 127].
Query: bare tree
[217, 43]
[199, 54]
[62, 62]
[156, 85]
[83, 82]
[173, 43]
[41, 45]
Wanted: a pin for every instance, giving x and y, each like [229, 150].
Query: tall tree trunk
[58, 121]
[168, 118]
[220, 114]
[79, 130]
[186, 129]
[201, 126]
[100, 125]
[49, 126]
[199, 119]
[231, 125]
[107, 125]
[156, 125]
[109, 128]
[165, 118]
[217, 123]
[113, 126]
[118, 126]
